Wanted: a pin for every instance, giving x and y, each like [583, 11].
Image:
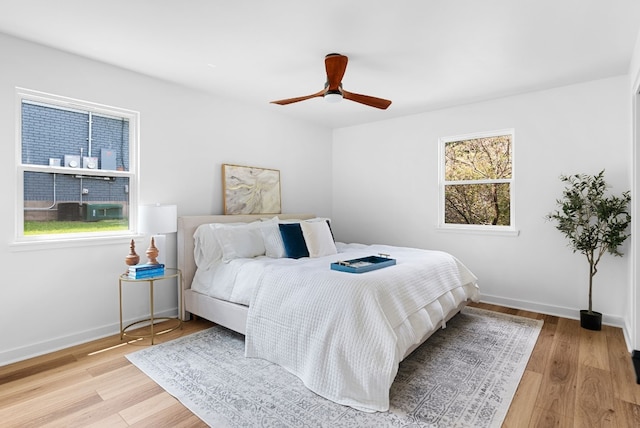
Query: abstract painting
[250, 190]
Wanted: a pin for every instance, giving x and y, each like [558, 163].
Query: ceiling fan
[336, 65]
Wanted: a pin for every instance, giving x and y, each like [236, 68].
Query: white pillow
[318, 238]
[325, 220]
[273, 244]
[241, 241]
[206, 249]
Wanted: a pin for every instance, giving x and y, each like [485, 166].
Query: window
[477, 186]
[76, 168]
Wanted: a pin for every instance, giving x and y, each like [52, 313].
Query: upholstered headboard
[187, 226]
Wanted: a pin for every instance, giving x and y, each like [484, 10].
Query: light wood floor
[575, 378]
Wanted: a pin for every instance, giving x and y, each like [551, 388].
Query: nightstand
[152, 321]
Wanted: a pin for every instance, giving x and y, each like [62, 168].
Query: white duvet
[345, 334]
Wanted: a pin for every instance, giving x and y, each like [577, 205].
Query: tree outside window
[477, 180]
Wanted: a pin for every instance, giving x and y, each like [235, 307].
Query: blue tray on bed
[363, 264]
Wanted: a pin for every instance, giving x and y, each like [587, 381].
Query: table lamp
[157, 220]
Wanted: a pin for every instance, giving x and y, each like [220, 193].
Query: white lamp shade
[155, 219]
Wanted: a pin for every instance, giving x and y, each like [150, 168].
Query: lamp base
[158, 243]
[152, 252]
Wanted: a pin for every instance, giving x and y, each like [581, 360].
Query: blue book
[157, 275]
[139, 268]
[147, 274]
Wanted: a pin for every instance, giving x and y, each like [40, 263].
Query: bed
[342, 334]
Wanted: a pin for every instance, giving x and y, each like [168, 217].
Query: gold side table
[152, 320]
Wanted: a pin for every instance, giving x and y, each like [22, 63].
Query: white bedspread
[337, 331]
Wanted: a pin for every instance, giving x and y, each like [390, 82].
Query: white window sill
[479, 230]
[52, 243]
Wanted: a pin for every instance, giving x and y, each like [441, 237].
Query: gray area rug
[464, 376]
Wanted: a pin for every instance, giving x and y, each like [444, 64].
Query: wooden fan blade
[295, 100]
[336, 65]
[367, 100]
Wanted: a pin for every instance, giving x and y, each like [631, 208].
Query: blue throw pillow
[331, 230]
[293, 239]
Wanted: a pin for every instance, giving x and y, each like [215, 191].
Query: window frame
[509, 230]
[37, 97]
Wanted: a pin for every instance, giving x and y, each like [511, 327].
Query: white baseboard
[34, 350]
[627, 338]
[559, 311]
[62, 342]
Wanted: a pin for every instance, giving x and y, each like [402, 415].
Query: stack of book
[146, 271]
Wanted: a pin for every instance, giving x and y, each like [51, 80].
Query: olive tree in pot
[594, 223]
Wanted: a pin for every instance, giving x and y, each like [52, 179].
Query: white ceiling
[421, 54]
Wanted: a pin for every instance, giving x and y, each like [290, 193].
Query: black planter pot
[590, 321]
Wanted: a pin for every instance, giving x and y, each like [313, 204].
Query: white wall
[633, 306]
[385, 190]
[60, 296]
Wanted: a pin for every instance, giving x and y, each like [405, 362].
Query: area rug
[463, 376]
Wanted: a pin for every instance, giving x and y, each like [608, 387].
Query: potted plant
[594, 223]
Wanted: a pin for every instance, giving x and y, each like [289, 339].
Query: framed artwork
[250, 190]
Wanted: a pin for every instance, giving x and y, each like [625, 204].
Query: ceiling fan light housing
[333, 96]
